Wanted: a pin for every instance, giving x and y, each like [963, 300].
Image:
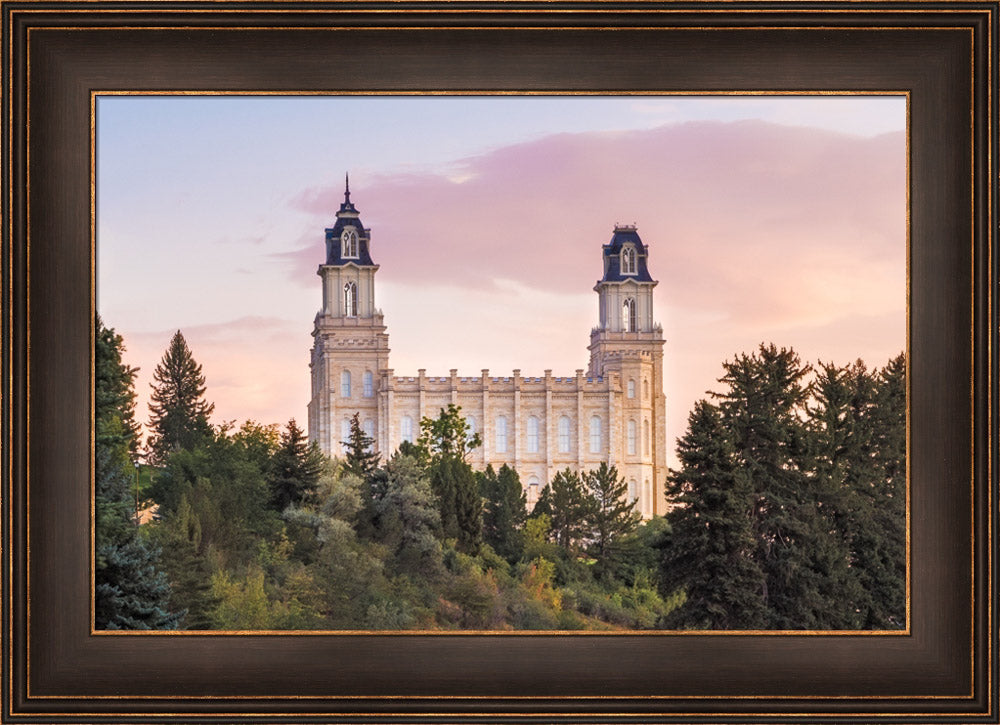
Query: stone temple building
[537, 424]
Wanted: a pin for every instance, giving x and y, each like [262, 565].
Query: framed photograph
[63, 60]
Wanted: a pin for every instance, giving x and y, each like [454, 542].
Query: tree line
[789, 513]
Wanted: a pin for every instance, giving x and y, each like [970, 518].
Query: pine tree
[504, 511]
[709, 552]
[566, 502]
[178, 412]
[361, 459]
[294, 469]
[611, 517]
[454, 485]
[130, 591]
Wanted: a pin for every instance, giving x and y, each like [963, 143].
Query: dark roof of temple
[612, 256]
[348, 217]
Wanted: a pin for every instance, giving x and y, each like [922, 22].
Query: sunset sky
[768, 219]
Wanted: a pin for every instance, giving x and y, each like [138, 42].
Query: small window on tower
[349, 244]
[345, 384]
[631, 388]
[628, 260]
[369, 383]
[628, 315]
[351, 299]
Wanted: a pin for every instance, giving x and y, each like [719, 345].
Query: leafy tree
[611, 517]
[447, 436]
[294, 468]
[178, 411]
[568, 505]
[709, 554]
[130, 591]
[504, 511]
[409, 520]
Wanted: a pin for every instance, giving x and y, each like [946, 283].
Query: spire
[347, 206]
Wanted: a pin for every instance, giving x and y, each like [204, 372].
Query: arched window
[631, 438]
[647, 498]
[595, 434]
[564, 434]
[351, 299]
[470, 421]
[345, 384]
[633, 491]
[349, 246]
[369, 381]
[369, 428]
[345, 434]
[628, 259]
[532, 434]
[631, 388]
[406, 429]
[628, 315]
[501, 434]
[645, 437]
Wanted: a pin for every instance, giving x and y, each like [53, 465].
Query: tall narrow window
[406, 429]
[647, 498]
[369, 381]
[369, 428]
[631, 388]
[345, 434]
[631, 438]
[349, 247]
[470, 422]
[628, 259]
[628, 315]
[633, 491]
[645, 437]
[351, 299]
[645, 389]
[501, 434]
[564, 434]
[595, 434]
[532, 434]
[345, 384]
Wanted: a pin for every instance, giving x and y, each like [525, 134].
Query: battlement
[493, 383]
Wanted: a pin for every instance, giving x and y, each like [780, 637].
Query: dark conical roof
[622, 236]
[348, 216]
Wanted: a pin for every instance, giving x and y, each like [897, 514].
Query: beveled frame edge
[985, 360]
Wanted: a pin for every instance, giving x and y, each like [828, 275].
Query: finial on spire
[347, 188]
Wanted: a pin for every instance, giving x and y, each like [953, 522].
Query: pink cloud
[725, 208]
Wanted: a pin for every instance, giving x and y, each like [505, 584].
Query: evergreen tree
[566, 502]
[612, 516]
[454, 485]
[409, 519]
[504, 511]
[361, 459]
[130, 591]
[294, 469]
[180, 535]
[709, 553]
[178, 411]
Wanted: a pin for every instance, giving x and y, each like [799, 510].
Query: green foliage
[611, 516]
[361, 459]
[569, 506]
[294, 468]
[446, 436]
[178, 412]
[504, 511]
[460, 507]
[786, 511]
[130, 590]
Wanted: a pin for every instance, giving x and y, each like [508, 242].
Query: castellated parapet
[537, 424]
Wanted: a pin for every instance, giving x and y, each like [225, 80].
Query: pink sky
[757, 233]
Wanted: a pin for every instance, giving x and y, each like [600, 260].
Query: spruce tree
[567, 504]
[178, 411]
[130, 591]
[612, 516]
[294, 469]
[709, 551]
[361, 458]
[504, 511]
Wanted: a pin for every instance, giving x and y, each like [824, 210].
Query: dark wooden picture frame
[56, 55]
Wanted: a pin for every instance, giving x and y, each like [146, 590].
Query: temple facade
[537, 424]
